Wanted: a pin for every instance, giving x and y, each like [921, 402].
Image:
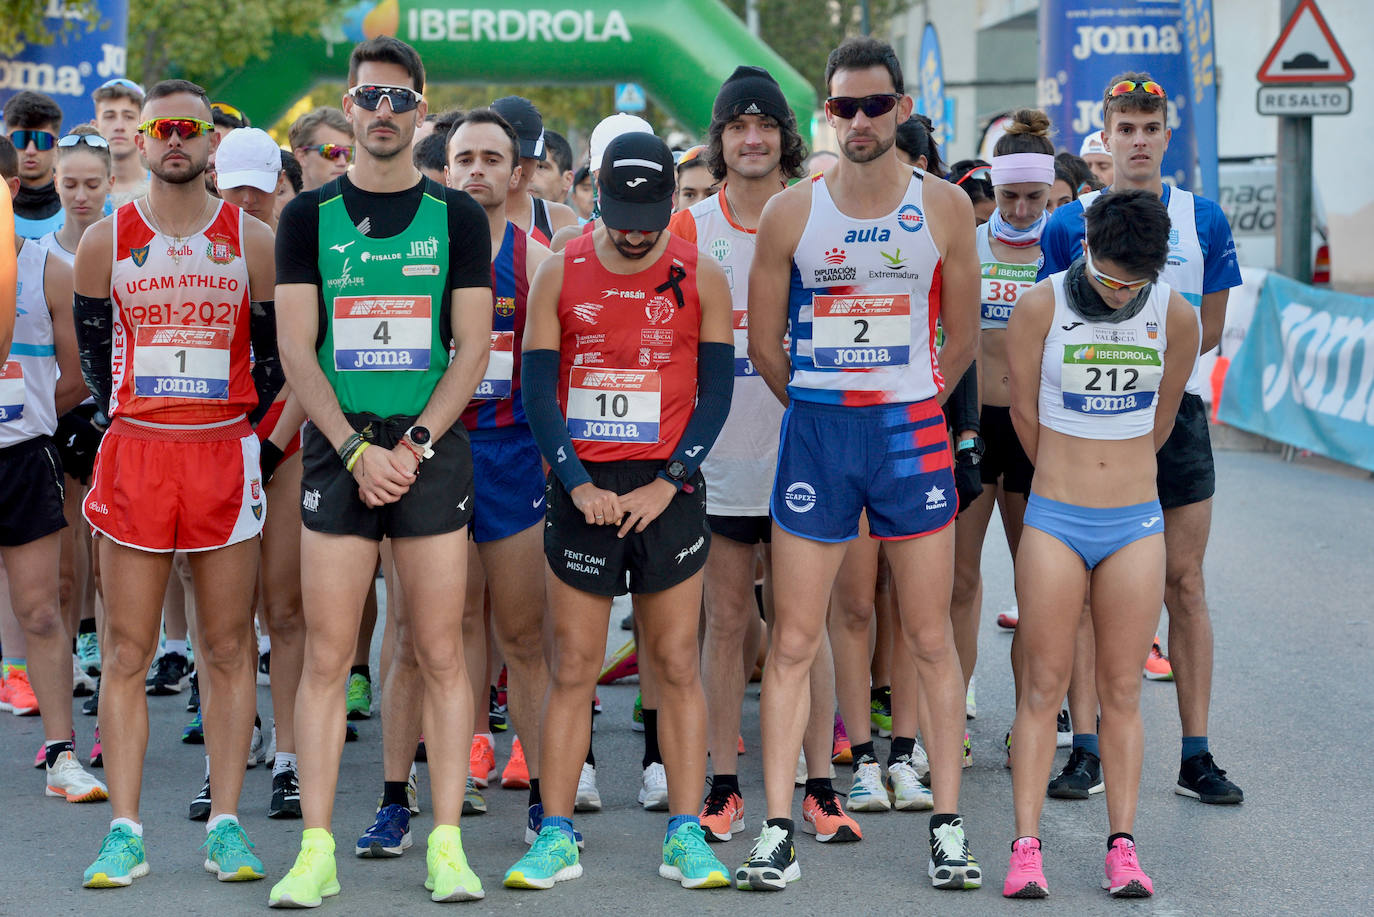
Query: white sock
[129, 823]
[283, 762]
[207, 767]
[215, 822]
[264, 644]
[176, 646]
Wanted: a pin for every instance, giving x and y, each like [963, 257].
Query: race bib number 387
[861, 332]
[180, 361]
[1110, 378]
[1002, 285]
[382, 332]
[614, 405]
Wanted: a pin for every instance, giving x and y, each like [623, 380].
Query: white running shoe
[868, 793]
[653, 793]
[588, 796]
[68, 779]
[83, 685]
[904, 786]
[970, 700]
[920, 763]
[257, 752]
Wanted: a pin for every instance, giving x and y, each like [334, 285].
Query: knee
[967, 578]
[285, 620]
[793, 647]
[124, 656]
[1187, 588]
[928, 642]
[225, 650]
[1119, 692]
[437, 657]
[675, 669]
[727, 620]
[327, 659]
[1043, 688]
[40, 620]
[853, 615]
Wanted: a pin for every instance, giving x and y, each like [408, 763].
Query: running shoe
[229, 853]
[951, 864]
[880, 713]
[841, 751]
[497, 715]
[596, 707]
[1026, 873]
[1063, 730]
[502, 697]
[1157, 667]
[265, 669]
[88, 652]
[1200, 778]
[359, 699]
[1080, 778]
[968, 751]
[482, 761]
[722, 814]
[637, 715]
[688, 861]
[40, 757]
[1123, 877]
[91, 707]
[535, 823]
[474, 803]
[286, 795]
[516, 775]
[420, 753]
[97, 757]
[193, 699]
[771, 864]
[823, 816]
[389, 835]
[1007, 740]
[588, 796]
[905, 788]
[257, 749]
[920, 762]
[350, 732]
[867, 794]
[413, 790]
[739, 747]
[21, 699]
[193, 733]
[971, 700]
[1007, 620]
[83, 685]
[624, 663]
[170, 675]
[449, 877]
[653, 789]
[199, 809]
[68, 779]
[552, 858]
[313, 877]
[628, 622]
[120, 861]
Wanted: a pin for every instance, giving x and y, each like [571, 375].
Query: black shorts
[744, 529]
[1187, 473]
[77, 442]
[590, 557]
[31, 492]
[439, 501]
[1003, 456]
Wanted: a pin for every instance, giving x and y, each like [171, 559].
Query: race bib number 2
[381, 333]
[181, 361]
[496, 384]
[1110, 378]
[11, 391]
[614, 405]
[861, 332]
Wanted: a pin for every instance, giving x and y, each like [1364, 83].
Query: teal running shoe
[688, 861]
[229, 854]
[120, 861]
[194, 732]
[553, 858]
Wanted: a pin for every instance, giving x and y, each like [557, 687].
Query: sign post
[1304, 74]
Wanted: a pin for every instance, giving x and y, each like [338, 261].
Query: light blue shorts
[1094, 533]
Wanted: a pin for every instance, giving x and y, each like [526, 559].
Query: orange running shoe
[826, 818]
[20, 696]
[1157, 667]
[516, 776]
[841, 753]
[482, 761]
[722, 814]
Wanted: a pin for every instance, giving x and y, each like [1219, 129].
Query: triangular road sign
[1306, 51]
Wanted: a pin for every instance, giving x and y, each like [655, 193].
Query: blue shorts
[835, 461]
[1094, 533]
[508, 479]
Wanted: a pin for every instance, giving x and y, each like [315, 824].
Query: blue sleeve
[1220, 270]
[1062, 241]
[539, 391]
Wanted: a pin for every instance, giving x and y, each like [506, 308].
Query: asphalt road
[1290, 577]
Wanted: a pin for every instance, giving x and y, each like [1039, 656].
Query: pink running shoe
[1124, 878]
[97, 755]
[1026, 874]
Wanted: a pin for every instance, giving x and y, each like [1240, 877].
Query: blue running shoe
[194, 731]
[121, 860]
[229, 854]
[688, 861]
[536, 822]
[553, 858]
[389, 835]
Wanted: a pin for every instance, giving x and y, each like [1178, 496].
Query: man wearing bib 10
[169, 290]
[862, 288]
[1098, 366]
[627, 378]
[1202, 267]
[379, 270]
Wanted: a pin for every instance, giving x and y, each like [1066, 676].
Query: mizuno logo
[635, 182]
[342, 248]
[1070, 326]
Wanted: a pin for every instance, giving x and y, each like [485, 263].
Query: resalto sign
[431, 23]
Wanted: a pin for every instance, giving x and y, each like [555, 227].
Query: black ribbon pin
[676, 274]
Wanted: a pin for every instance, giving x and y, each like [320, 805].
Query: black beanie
[751, 91]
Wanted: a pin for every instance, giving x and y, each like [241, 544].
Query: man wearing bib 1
[379, 270]
[1098, 365]
[1202, 267]
[627, 378]
[861, 288]
[169, 291]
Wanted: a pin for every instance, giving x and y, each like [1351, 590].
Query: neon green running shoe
[313, 877]
[120, 861]
[359, 703]
[552, 858]
[229, 854]
[450, 878]
[687, 860]
[880, 713]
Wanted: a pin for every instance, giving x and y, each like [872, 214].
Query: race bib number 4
[496, 383]
[1003, 284]
[179, 361]
[614, 405]
[382, 332]
[861, 332]
[11, 391]
[1110, 378]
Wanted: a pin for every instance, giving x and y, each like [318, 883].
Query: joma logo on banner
[1318, 353]
[1134, 40]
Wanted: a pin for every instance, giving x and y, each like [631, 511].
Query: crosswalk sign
[629, 97]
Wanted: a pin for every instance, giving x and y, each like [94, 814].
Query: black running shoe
[200, 806]
[951, 864]
[193, 699]
[496, 713]
[286, 796]
[1080, 778]
[169, 675]
[265, 668]
[771, 864]
[1063, 730]
[92, 705]
[1200, 778]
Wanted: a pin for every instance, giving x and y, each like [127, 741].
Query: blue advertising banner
[1085, 43]
[1202, 73]
[931, 101]
[1305, 374]
[79, 59]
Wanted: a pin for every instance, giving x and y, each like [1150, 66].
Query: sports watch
[419, 438]
[970, 451]
[675, 473]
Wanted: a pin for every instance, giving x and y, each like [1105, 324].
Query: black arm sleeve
[539, 390]
[715, 387]
[268, 377]
[961, 407]
[94, 339]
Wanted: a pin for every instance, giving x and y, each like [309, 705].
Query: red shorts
[168, 489]
[269, 424]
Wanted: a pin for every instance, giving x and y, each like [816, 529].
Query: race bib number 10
[11, 391]
[180, 361]
[1110, 378]
[496, 383]
[614, 405]
[382, 332]
[861, 332]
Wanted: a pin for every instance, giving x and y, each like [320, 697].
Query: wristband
[348, 447]
[353, 459]
[419, 456]
[966, 444]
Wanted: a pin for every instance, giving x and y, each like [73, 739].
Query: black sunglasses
[401, 98]
[872, 106]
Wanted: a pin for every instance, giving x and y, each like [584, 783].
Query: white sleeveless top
[51, 244]
[1001, 284]
[28, 379]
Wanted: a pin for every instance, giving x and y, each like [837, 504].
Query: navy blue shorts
[508, 480]
[1094, 533]
[834, 461]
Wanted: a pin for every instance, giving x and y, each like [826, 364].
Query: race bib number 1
[1002, 285]
[382, 332]
[614, 405]
[1110, 378]
[11, 391]
[496, 383]
[861, 332]
[180, 361]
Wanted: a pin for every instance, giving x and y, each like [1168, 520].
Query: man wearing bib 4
[627, 377]
[171, 290]
[1098, 365]
[380, 269]
[861, 288]
[1202, 267]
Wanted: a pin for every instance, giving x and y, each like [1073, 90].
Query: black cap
[521, 114]
[636, 183]
[751, 91]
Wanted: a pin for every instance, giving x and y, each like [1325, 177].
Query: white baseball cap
[1093, 144]
[248, 156]
[611, 128]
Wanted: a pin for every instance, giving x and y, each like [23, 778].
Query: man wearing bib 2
[1202, 267]
[627, 377]
[862, 288]
[169, 290]
[1098, 365]
[379, 270]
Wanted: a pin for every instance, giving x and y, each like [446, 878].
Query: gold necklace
[174, 251]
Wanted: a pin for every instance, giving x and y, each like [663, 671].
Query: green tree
[35, 22]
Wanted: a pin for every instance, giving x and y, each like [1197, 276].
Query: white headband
[1018, 167]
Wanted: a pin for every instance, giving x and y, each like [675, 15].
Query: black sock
[783, 823]
[901, 745]
[879, 692]
[651, 753]
[860, 749]
[535, 799]
[591, 758]
[362, 670]
[942, 819]
[1112, 840]
[55, 749]
[73, 646]
[816, 786]
[394, 793]
[87, 626]
[726, 780]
